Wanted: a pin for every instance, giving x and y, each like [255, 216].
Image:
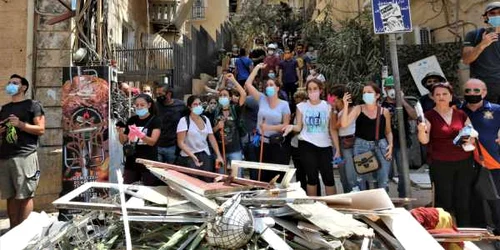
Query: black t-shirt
[256, 53]
[169, 116]
[487, 66]
[394, 123]
[26, 143]
[231, 128]
[143, 150]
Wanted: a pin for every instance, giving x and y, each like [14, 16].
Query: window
[198, 9]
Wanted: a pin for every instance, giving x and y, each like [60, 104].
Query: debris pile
[229, 213]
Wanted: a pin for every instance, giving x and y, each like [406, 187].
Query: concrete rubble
[238, 213]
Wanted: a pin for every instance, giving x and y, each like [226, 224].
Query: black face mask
[161, 98]
[473, 99]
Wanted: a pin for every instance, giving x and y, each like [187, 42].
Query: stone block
[53, 117]
[61, 26]
[44, 202]
[50, 169]
[53, 58]
[52, 137]
[53, 40]
[52, 6]
[49, 96]
[49, 77]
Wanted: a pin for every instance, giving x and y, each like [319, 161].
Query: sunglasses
[147, 91]
[474, 90]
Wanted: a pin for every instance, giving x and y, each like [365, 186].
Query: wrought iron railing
[162, 12]
[142, 60]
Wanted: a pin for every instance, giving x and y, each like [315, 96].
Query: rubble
[230, 213]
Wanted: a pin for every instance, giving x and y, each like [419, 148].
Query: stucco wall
[216, 13]
[13, 26]
[131, 14]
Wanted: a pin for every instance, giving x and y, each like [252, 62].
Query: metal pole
[399, 113]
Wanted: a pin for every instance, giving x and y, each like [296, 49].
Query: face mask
[270, 52]
[473, 99]
[224, 101]
[270, 91]
[141, 112]
[198, 110]
[271, 75]
[391, 93]
[11, 89]
[494, 21]
[369, 98]
[312, 71]
[161, 98]
[313, 96]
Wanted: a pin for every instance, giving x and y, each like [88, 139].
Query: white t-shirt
[349, 130]
[196, 139]
[315, 123]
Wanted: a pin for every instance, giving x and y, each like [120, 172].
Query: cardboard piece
[420, 68]
[374, 199]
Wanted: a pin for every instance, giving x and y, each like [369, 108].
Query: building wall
[13, 26]
[131, 14]
[216, 13]
[434, 15]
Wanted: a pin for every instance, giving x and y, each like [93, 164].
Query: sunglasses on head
[474, 90]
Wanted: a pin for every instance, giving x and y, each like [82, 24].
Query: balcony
[162, 14]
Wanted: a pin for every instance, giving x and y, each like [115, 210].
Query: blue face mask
[270, 91]
[11, 89]
[494, 21]
[198, 110]
[224, 101]
[141, 112]
[271, 75]
[369, 98]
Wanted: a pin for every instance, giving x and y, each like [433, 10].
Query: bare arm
[241, 90]
[470, 54]
[279, 127]
[412, 114]
[388, 129]
[298, 126]
[249, 83]
[424, 129]
[334, 133]
[151, 140]
[37, 128]
[180, 142]
[349, 117]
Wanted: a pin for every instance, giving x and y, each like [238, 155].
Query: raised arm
[348, 117]
[388, 133]
[241, 90]
[249, 83]
[470, 54]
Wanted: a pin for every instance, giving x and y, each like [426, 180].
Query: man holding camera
[22, 123]
[482, 52]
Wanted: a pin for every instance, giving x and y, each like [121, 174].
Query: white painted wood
[128, 238]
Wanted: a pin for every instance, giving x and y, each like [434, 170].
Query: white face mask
[391, 93]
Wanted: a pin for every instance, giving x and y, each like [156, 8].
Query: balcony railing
[162, 12]
[198, 13]
[142, 60]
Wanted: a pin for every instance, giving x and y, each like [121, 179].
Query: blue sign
[391, 16]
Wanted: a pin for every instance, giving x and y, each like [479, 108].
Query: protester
[299, 97]
[289, 75]
[303, 62]
[315, 74]
[272, 61]
[273, 116]
[428, 81]
[485, 117]
[482, 51]
[249, 115]
[192, 133]
[243, 66]
[258, 53]
[22, 122]
[317, 132]
[408, 114]
[126, 90]
[170, 111]
[234, 57]
[228, 124]
[451, 168]
[365, 116]
[146, 89]
[348, 176]
[141, 132]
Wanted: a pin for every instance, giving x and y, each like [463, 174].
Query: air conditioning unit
[422, 35]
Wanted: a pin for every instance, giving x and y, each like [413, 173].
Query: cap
[432, 74]
[389, 82]
[271, 46]
[491, 6]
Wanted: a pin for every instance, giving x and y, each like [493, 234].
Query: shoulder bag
[367, 162]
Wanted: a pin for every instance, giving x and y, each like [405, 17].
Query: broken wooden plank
[121, 188]
[283, 201]
[263, 227]
[408, 231]
[197, 172]
[374, 199]
[157, 195]
[204, 203]
[288, 170]
[196, 185]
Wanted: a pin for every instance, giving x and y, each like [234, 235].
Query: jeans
[348, 176]
[382, 175]
[234, 156]
[167, 154]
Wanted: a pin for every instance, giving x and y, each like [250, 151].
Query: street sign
[391, 16]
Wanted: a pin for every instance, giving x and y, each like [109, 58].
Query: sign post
[391, 17]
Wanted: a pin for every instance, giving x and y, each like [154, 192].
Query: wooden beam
[197, 172]
[206, 204]
[288, 170]
[67, 15]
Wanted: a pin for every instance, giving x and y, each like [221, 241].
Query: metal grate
[425, 36]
